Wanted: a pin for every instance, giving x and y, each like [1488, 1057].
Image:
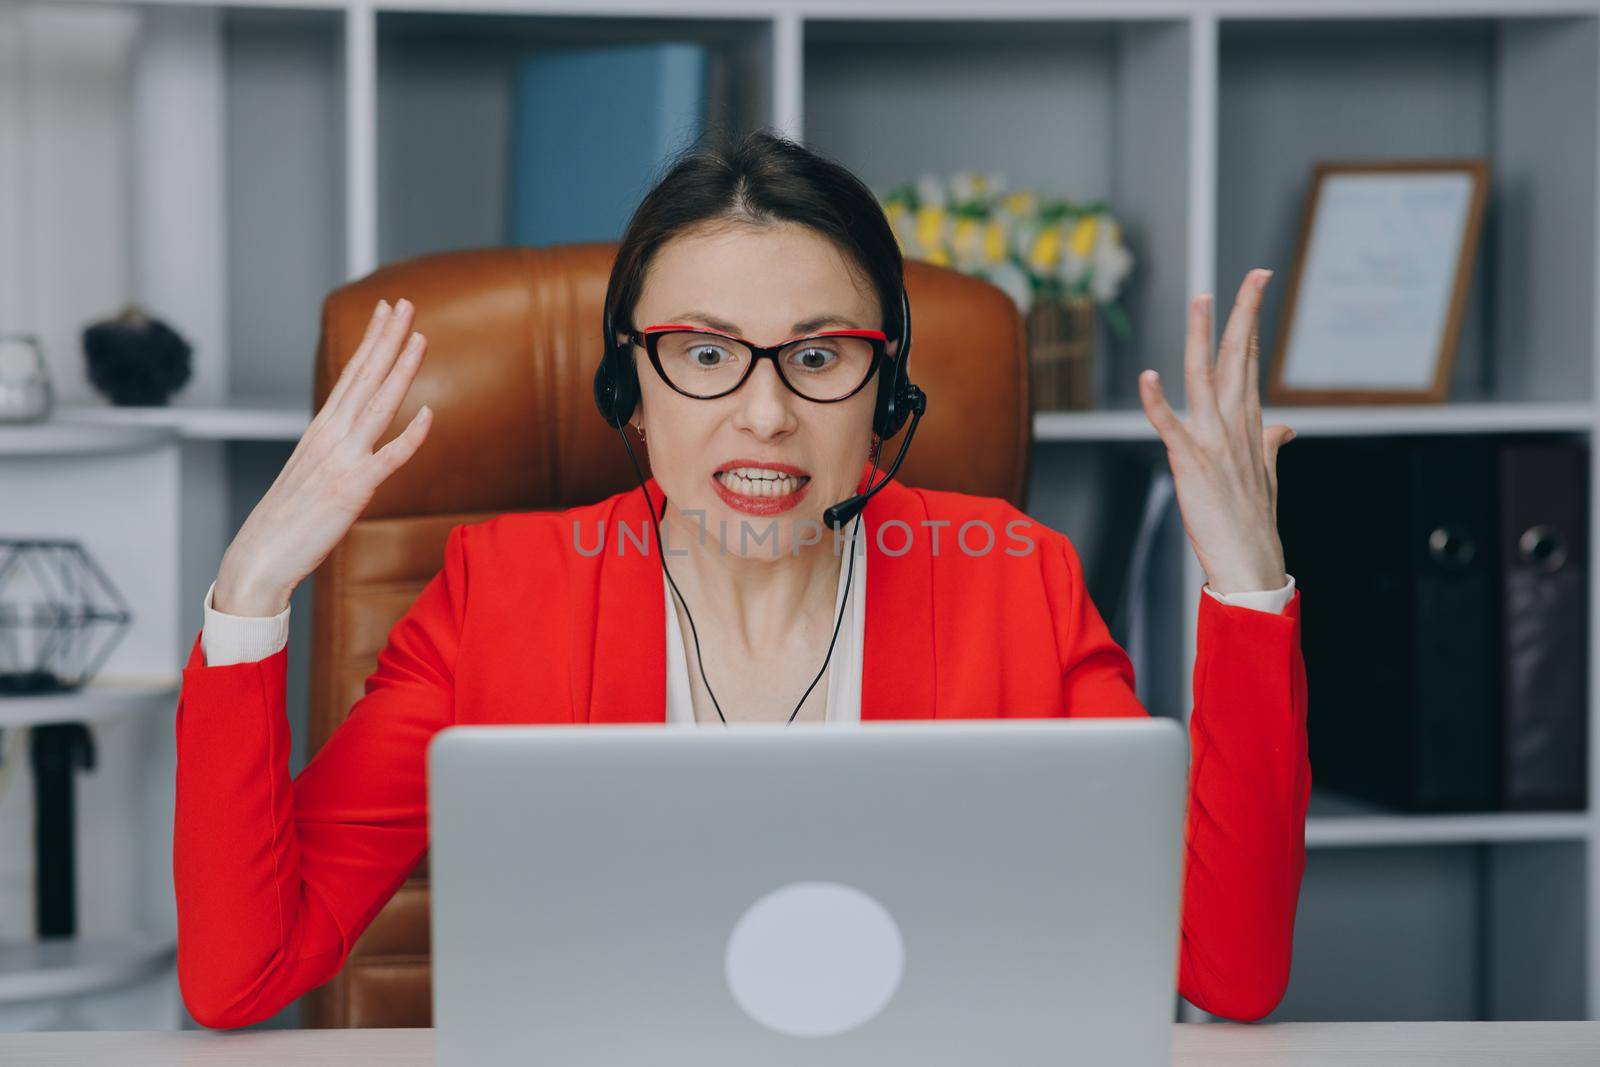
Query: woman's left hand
[1224, 466]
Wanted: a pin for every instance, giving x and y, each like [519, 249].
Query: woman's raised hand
[332, 473]
[1224, 466]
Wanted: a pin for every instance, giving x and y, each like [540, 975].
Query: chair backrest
[514, 337]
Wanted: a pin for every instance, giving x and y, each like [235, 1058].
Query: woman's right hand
[332, 473]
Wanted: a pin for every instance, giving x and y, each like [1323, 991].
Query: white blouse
[227, 639]
[844, 669]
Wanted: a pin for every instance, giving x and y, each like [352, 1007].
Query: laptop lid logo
[815, 959]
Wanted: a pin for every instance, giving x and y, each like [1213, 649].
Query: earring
[638, 428]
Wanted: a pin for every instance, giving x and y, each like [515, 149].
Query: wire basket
[1061, 352]
[60, 616]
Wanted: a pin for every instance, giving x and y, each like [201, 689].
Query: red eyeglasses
[822, 367]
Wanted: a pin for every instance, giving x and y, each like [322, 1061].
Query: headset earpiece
[894, 396]
[616, 384]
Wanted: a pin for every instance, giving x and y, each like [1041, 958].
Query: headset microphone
[845, 510]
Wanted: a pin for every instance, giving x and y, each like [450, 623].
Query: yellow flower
[900, 224]
[994, 242]
[1083, 237]
[1046, 249]
[1020, 202]
[937, 256]
[966, 235]
[930, 227]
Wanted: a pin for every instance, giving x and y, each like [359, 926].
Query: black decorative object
[57, 750]
[136, 360]
[60, 616]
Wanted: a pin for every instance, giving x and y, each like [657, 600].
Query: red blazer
[276, 879]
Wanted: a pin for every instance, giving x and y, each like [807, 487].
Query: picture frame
[1381, 272]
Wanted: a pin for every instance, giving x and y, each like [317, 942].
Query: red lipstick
[761, 505]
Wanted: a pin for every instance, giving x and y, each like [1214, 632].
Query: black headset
[616, 394]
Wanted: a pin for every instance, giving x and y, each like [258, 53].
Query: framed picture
[1374, 307]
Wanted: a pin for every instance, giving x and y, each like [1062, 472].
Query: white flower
[1023, 231]
[1112, 261]
[930, 191]
[1074, 264]
[971, 186]
[965, 186]
[904, 224]
[965, 239]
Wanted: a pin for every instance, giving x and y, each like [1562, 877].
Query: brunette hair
[761, 178]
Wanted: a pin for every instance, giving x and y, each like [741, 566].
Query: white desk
[1567, 1044]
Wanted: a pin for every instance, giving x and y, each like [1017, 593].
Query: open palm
[1224, 465]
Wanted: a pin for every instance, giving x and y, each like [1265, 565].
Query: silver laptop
[889, 893]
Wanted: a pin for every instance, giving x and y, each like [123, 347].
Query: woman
[534, 617]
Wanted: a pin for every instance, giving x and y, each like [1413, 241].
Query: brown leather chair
[513, 340]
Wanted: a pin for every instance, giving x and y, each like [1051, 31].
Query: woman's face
[765, 284]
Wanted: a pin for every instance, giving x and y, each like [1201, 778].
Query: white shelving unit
[100, 700]
[101, 979]
[1338, 823]
[356, 132]
[259, 418]
[120, 980]
[52, 969]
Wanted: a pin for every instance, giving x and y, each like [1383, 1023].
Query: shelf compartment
[1091, 110]
[446, 104]
[285, 158]
[1460, 931]
[187, 158]
[1519, 92]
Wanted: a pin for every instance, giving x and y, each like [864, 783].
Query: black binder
[1544, 549]
[1394, 542]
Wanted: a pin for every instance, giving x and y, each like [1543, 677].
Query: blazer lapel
[897, 662]
[630, 652]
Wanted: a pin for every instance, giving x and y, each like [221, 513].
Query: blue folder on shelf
[590, 128]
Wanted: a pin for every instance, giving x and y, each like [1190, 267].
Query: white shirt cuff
[1271, 600]
[226, 639]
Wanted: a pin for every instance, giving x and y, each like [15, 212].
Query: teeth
[759, 481]
[759, 474]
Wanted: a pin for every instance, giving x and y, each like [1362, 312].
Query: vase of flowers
[1061, 263]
